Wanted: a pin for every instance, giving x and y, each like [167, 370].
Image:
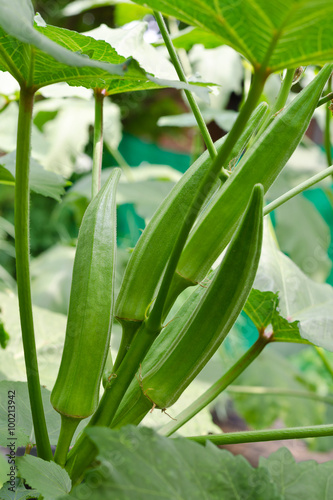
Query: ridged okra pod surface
[153, 249]
[188, 342]
[262, 164]
[76, 391]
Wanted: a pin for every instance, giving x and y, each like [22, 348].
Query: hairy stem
[325, 99]
[182, 77]
[297, 190]
[267, 435]
[23, 270]
[325, 361]
[280, 100]
[215, 390]
[98, 143]
[274, 391]
[122, 163]
[327, 135]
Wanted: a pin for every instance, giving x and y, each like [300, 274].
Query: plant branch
[182, 77]
[215, 390]
[23, 271]
[98, 142]
[327, 135]
[273, 391]
[280, 100]
[267, 435]
[325, 99]
[122, 163]
[297, 190]
[325, 361]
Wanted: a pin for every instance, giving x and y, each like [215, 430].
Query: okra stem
[122, 163]
[216, 389]
[67, 430]
[98, 142]
[326, 98]
[267, 435]
[280, 100]
[298, 189]
[328, 117]
[275, 391]
[182, 77]
[22, 194]
[325, 361]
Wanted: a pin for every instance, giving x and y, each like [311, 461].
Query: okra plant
[192, 272]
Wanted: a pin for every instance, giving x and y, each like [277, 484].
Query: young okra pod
[153, 249]
[262, 164]
[189, 341]
[76, 391]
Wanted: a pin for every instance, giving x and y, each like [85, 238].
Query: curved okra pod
[189, 341]
[152, 251]
[262, 164]
[76, 391]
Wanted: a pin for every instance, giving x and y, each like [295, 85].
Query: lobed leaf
[301, 299]
[278, 34]
[40, 55]
[48, 478]
[137, 463]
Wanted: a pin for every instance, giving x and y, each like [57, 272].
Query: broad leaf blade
[302, 480]
[137, 463]
[48, 478]
[301, 299]
[61, 55]
[277, 33]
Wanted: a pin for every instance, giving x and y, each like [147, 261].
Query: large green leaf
[42, 55]
[48, 478]
[301, 299]
[276, 33]
[137, 463]
[307, 480]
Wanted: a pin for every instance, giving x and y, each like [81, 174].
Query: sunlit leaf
[277, 33]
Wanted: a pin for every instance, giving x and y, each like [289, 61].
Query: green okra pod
[76, 391]
[152, 251]
[262, 164]
[189, 341]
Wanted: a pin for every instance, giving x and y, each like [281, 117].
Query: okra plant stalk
[22, 194]
[182, 77]
[99, 96]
